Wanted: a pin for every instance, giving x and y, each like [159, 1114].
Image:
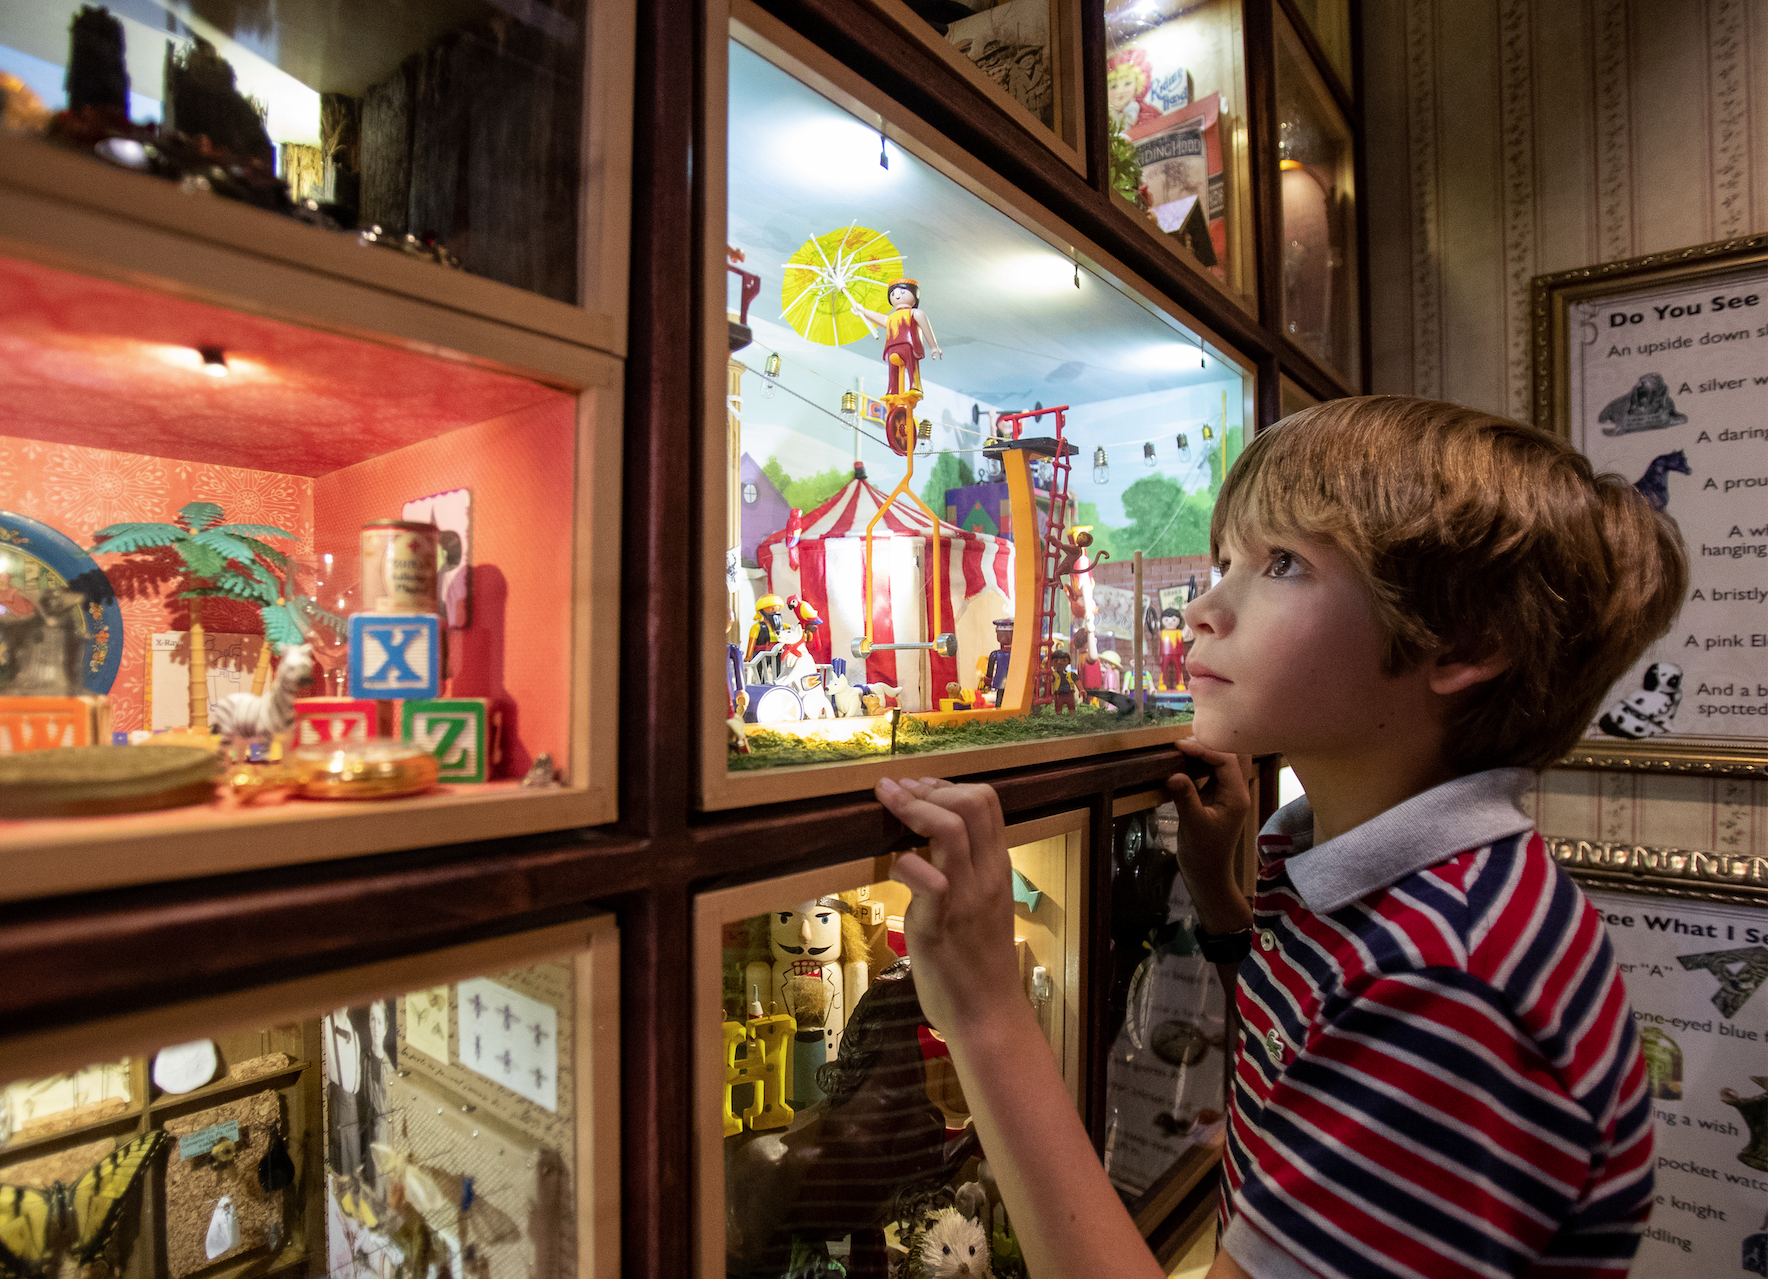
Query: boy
[1435, 1071]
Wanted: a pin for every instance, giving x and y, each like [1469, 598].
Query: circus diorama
[969, 481]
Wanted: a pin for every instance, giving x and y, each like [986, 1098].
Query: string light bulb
[1209, 432]
[1148, 455]
[849, 403]
[214, 361]
[771, 368]
[1184, 447]
[1101, 467]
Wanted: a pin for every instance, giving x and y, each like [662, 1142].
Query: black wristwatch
[1223, 948]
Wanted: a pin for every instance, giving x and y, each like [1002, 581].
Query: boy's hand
[959, 924]
[1210, 822]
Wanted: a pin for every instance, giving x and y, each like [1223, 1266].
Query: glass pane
[433, 1133]
[1001, 337]
[1176, 87]
[1319, 213]
[1013, 43]
[1330, 21]
[1165, 1082]
[1291, 398]
[449, 131]
[845, 1126]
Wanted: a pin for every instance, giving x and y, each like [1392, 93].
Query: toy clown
[819, 970]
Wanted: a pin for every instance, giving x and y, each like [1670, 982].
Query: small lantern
[849, 403]
[1101, 468]
[1148, 455]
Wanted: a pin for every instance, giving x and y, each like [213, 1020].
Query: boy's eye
[1283, 564]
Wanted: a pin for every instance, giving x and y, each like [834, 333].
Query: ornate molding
[1614, 132]
[1676, 872]
[1421, 131]
[1698, 763]
[1728, 79]
[1517, 139]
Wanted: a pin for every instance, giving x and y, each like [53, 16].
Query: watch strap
[1223, 948]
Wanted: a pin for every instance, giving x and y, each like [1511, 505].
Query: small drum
[399, 567]
[774, 704]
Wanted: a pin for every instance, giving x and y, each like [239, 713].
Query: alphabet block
[319, 720]
[395, 655]
[43, 723]
[454, 730]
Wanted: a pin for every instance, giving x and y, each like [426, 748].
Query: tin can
[399, 567]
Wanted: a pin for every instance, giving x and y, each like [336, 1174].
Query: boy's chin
[1217, 732]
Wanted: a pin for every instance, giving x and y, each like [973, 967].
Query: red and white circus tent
[831, 577]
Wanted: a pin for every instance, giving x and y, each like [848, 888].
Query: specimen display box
[1176, 116]
[466, 151]
[831, 1123]
[449, 1113]
[944, 430]
[166, 464]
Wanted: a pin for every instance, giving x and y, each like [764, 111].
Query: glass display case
[1316, 154]
[271, 593]
[1291, 398]
[1166, 1078]
[1175, 86]
[393, 144]
[1024, 52]
[945, 439]
[296, 552]
[834, 1135]
[450, 1114]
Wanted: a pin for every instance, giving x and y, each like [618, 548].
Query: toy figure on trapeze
[908, 339]
[819, 968]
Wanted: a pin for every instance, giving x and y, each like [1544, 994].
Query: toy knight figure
[819, 970]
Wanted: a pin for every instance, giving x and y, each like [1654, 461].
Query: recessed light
[214, 361]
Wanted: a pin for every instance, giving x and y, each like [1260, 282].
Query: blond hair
[1474, 536]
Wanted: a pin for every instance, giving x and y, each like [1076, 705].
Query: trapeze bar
[946, 646]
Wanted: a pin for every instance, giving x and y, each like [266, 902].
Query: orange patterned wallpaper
[78, 490]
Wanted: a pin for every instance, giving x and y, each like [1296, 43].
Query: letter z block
[453, 729]
[395, 655]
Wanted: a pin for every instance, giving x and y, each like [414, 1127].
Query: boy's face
[1288, 654]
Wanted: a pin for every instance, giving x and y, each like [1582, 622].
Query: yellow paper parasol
[830, 275]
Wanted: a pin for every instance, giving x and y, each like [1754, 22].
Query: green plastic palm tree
[221, 561]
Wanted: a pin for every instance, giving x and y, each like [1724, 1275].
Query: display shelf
[316, 432]
[384, 1043]
[902, 1079]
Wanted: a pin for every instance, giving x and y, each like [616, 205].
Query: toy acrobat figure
[995, 675]
[1061, 681]
[905, 330]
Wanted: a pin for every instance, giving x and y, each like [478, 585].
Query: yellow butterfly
[36, 1226]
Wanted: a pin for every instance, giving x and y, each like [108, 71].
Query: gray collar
[1468, 812]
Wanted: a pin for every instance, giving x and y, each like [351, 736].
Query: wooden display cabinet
[307, 1107]
[361, 379]
[744, 1085]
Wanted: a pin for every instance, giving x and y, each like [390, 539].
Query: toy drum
[399, 567]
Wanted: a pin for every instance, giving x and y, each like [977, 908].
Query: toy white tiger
[242, 718]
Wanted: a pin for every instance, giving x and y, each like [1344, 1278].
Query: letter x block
[320, 720]
[453, 730]
[395, 655]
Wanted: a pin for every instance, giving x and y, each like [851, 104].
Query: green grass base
[781, 750]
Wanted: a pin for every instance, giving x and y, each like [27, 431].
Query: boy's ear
[1450, 674]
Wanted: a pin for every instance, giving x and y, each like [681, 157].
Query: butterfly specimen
[37, 1226]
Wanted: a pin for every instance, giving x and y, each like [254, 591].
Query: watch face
[749, 494]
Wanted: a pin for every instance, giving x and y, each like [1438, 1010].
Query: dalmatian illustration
[1651, 711]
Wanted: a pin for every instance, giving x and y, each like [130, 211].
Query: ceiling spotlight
[214, 362]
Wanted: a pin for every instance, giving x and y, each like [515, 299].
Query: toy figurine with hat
[908, 339]
[995, 676]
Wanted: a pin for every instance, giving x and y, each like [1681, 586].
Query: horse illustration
[1654, 485]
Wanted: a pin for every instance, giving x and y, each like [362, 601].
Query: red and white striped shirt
[1436, 1074]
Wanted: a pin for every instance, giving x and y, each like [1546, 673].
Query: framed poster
[1694, 971]
[1656, 369]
